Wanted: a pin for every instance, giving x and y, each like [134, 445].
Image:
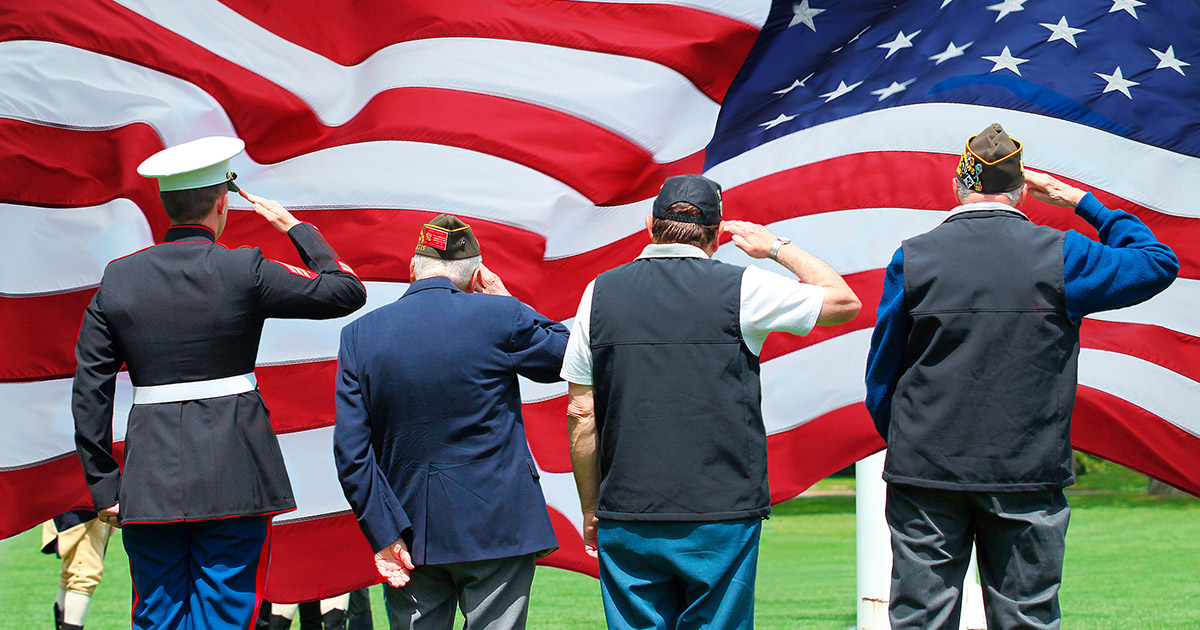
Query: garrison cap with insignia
[448, 238]
[697, 190]
[991, 162]
[194, 164]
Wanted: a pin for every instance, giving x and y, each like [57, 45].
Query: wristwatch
[780, 241]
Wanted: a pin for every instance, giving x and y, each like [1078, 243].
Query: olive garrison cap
[991, 162]
[448, 238]
[699, 191]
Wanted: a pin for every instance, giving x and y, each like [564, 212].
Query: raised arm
[328, 288]
[840, 304]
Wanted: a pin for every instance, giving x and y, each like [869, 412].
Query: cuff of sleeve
[106, 492]
[314, 250]
[1089, 208]
[381, 535]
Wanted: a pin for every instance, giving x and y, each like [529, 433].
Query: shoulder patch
[344, 267]
[299, 271]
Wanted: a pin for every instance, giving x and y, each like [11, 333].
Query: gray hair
[1014, 195]
[459, 271]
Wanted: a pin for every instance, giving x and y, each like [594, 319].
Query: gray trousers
[493, 595]
[1020, 538]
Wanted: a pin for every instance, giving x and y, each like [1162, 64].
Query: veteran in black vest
[971, 380]
[203, 472]
[667, 440]
[430, 444]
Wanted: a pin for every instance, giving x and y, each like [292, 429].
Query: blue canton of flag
[1116, 65]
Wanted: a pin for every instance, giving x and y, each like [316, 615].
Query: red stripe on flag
[334, 544]
[708, 49]
[1122, 432]
[50, 352]
[36, 493]
[56, 167]
[1171, 349]
[546, 432]
[798, 458]
[570, 554]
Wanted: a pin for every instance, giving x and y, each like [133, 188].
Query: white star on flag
[944, 3]
[1129, 6]
[779, 120]
[1005, 61]
[804, 14]
[1006, 7]
[842, 89]
[1063, 31]
[951, 52]
[1166, 59]
[795, 84]
[901, 41]
[1117, 82]
[894, 88]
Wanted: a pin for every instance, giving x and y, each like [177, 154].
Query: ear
[954, 189]
[650, 225]
[476, 279]
[412, 268]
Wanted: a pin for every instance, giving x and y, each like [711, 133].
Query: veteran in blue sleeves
[203, 472]
[429, 443]
[971, 380]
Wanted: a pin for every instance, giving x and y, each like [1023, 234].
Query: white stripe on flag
[1100, 159]
[73, 244]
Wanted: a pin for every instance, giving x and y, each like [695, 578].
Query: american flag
[549, 126]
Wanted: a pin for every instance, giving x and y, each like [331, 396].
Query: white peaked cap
[194, 164]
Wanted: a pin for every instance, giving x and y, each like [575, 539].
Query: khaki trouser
[82, 551]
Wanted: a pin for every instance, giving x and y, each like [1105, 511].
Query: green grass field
[1133, 561]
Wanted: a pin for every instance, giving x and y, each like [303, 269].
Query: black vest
[989, 371]
[677, 396]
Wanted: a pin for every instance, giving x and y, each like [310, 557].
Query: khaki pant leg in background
[82, 550]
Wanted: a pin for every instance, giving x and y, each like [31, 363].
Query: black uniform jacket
[191, 310]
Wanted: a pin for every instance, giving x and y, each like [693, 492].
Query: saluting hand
[751, 238]
[1049, 190]
[394, 563]
[272, 211]
[486, 281]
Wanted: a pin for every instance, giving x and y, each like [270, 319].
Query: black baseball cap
[699, 191]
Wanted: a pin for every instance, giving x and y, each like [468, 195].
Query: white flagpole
[874, 544]
[874, 554]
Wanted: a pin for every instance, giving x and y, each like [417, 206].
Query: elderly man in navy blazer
[429, 442]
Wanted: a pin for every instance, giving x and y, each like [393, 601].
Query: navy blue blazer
[429, 442]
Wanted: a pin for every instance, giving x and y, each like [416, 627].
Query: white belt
[196, 390]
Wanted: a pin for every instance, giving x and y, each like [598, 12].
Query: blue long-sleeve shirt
[1127, 266]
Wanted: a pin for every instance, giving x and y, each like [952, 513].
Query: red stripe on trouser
[260, 580]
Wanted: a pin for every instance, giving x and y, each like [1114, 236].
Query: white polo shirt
[770, 303]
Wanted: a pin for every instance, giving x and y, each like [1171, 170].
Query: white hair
[1014, 195]
[459, 271]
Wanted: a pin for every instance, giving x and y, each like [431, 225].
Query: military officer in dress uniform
[429, 442]
[203, 472]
